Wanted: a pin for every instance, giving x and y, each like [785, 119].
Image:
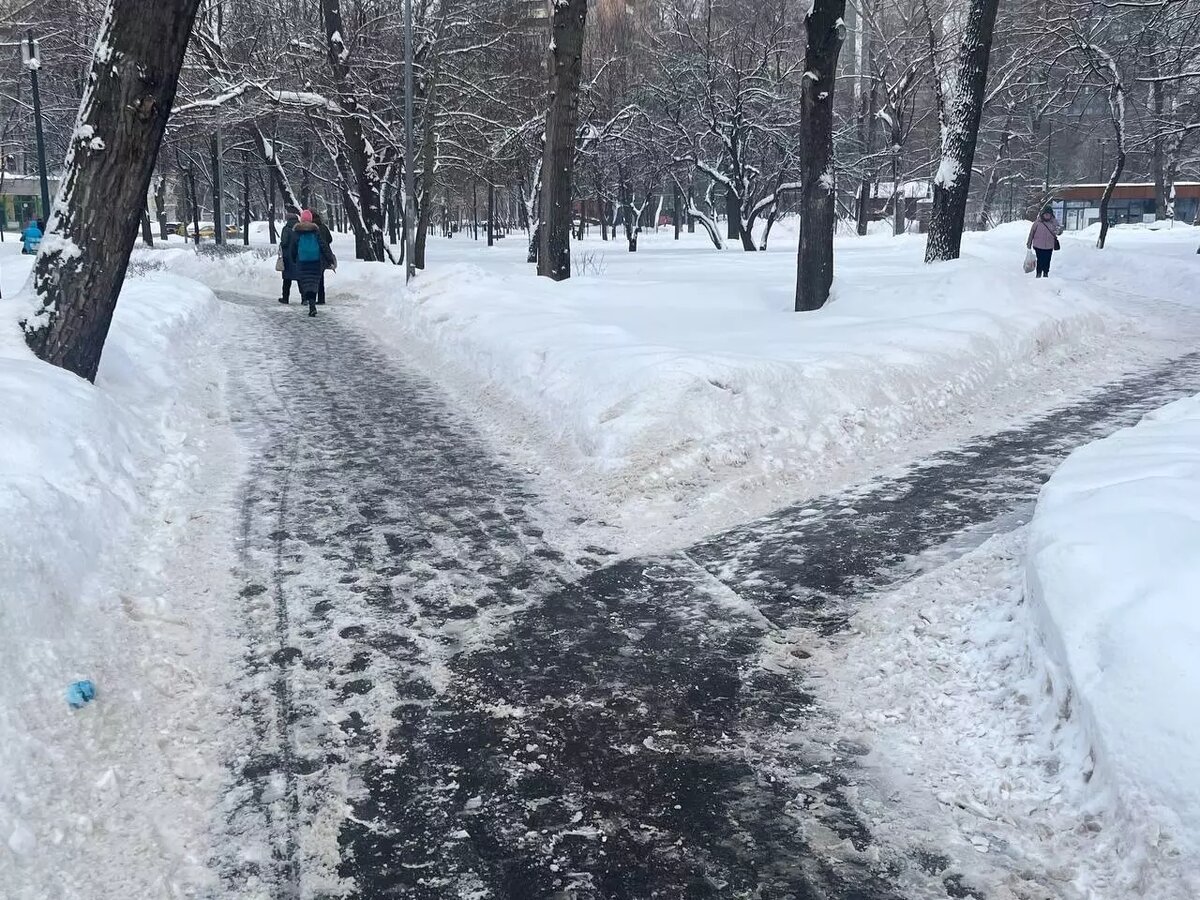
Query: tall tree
[960, 108]
[565, 64]
[826, 32]
[82, 262]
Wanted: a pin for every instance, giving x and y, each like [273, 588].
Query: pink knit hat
[306, 215]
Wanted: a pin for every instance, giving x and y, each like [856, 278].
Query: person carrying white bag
[1042, 242]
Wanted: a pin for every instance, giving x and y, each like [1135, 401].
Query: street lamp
[31, 57]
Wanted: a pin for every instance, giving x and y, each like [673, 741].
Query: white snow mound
[1114, 575]
[76, 465]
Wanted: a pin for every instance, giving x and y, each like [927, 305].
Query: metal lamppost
[409, 194]
[31, 56]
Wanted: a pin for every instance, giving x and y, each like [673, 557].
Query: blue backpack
[308, 247]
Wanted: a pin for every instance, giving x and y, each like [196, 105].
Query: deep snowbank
[81, 464]
[677, 383]
[1113, 570]
[678, 367]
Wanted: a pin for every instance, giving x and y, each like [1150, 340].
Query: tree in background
[960, 97]
[565, 64]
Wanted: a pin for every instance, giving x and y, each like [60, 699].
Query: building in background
[21, 199]
[1078, 205]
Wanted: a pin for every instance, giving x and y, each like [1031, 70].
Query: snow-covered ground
[674, 390]
[96, 485]
[945, 681]
[1113, 569]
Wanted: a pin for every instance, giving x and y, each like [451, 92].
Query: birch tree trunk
[960, 105]
[565, 64]
[160, 205]
[82, 261]
[826, 32]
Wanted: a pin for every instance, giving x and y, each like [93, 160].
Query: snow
[675, 390]
[948, 172]
[1114, 560]
[681, 368]
[943, 680]
[89, 495]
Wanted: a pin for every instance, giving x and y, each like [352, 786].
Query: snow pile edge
[1112, 572]
[81, 464]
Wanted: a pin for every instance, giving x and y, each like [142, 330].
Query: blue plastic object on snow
[80, 693]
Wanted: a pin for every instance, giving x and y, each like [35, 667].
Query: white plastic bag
[1030, 261]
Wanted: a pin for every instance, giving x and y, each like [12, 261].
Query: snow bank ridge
[1113, 574]
[80, 463]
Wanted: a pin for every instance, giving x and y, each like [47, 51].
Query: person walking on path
[31, 238]
[310, 256]
[328, 236]
[284, 264]
[1043, 240]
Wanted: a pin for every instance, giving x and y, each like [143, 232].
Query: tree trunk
[147, 231]
[961, 109]
[217, 189]
[772, 217]
[565, 65]
[1158, 155]
[826, 31]
[194, 202]
[368, 224]
[862, 207]
[733, 215]
[601, 211]
[271, 211]
[246, 206]
[676, 214]
[1113, 179]
[160, 205]
[899, 201]
[868, 122]
[428, 183]
[491, 228]
[83, 259]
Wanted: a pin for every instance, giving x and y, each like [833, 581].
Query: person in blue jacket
[310, 256]
[32, 238]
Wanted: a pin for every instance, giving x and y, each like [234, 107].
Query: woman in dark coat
[285, 254]
[325, 233]
[311, 255]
